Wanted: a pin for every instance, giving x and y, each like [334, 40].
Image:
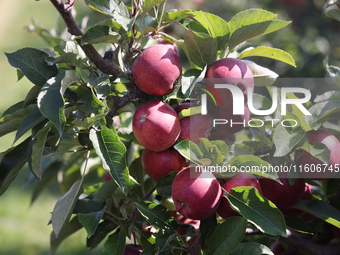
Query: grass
[23, 227]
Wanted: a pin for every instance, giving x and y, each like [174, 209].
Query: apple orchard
[133, 123]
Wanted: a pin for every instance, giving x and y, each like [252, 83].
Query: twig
[107, 66]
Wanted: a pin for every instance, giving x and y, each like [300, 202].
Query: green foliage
[65, 117]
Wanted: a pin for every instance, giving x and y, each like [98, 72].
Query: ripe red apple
[159, 164]
[156, 69]
[307, 195]
[241, 179]
[196, 195]
[235, 123]
[165, 42]
[233, 72]
[303, 158]
[183, 221]
[284, 195]
[195, 126]
[107, 177]
[156, 125]
[133, 249]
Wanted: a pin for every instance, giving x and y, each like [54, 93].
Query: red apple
[284, 195]
[107, 177]
[196, 195]
[133, 249]
[277, 248]
[304, 159]
[241, 179]
[307, 195]
[235, 123]
[156, 69]
[156, 125]
[195, 126]
[159, 164]
[233, 72]
[165, 42]
[182, 223]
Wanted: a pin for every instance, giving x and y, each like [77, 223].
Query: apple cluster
[157, 127]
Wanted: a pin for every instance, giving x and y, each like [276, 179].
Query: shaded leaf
[115, 244]
[285, 141]
[248, 202]
[157, 215]
[31, 62]
[113, 155]
[64, 207]
[13, 117]
[91, 220]
[227, 236]
[33, 118]
[73, 226]
[100, 34]
[164, 184]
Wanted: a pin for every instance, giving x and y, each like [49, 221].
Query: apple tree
[117, 116]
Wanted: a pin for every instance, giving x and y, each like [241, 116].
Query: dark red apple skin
[307, 195]
[234, 72]
[196, 196]
[156, 125]
[156, 69]
[195, 126]
[159, 164]
[181, 229]
[107, 177]
[241, 179]
[284, 196]
[132, 249]
[227, 114]
[277, 248]
[303, 158]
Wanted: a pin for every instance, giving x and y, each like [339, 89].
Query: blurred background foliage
[23, 227]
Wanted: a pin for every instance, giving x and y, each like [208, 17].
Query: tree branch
[107, 66]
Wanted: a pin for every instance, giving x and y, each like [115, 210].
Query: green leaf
[211, 152]
[285, 141]
[100, 34]
[157, 215]
[105, 192]
[299, 225]
[91, 103]
[227, 236]
[322, 112]
[114, 8]
[321, 209]
[201, 48]
[64, 207]
[37, 150]
[32, 119]
[32, 63]
[333, 12]
[268, 52]
[252, 23]
[191, 151]
[248, 202]
[90, 121]
[12, 161]
[255, 165]
[115, 244]
[51, 101]
[87, 206]
[217, 27]
[149, 4]
[318, 150]
[71, 227]
[91, 220]
[164, 184]
[103, 229]
[11, 121]
[252, 248]
[113, 155]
